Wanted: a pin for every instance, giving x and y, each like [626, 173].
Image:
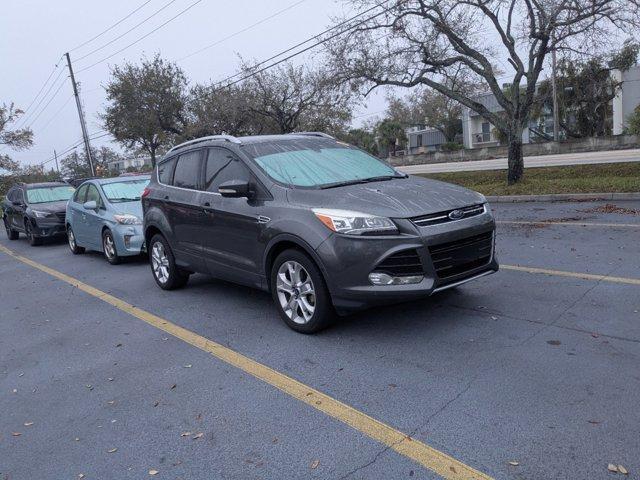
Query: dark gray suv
[322, 225]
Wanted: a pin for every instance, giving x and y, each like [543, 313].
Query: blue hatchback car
[105, 215]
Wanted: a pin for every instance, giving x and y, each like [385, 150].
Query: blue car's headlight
[127, 219]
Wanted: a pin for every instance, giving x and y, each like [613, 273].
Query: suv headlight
[354, 223]
[39, 214]
[127, 219]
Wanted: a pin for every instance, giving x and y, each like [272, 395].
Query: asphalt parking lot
[525, 374]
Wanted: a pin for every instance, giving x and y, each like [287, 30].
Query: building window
[419, 140]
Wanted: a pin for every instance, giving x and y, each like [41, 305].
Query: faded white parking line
[579, 224]
[562, 273]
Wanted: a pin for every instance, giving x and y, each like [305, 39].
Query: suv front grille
[459, 256]
[404, 263]
[443, 217]
[61, 216]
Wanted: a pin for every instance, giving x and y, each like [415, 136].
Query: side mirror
[17, 203]
[235, 189]
[91, 205]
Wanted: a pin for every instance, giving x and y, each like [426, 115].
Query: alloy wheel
[296, 292]
[160, 262]
[71, 239]
[109, 246]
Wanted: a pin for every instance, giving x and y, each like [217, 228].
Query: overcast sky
[34, 34]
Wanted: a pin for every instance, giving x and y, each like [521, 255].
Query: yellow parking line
[430, 458]
[579, 224]
[562, 273]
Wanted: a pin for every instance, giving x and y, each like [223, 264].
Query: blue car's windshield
[318, 163]
[126, 191]
[49, 194]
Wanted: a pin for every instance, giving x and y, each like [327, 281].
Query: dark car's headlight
[39, 214]
[354, 223]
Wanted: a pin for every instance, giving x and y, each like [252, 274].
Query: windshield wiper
[357, 181]
[124, 199]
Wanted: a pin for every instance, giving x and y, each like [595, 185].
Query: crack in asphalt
[412, 432]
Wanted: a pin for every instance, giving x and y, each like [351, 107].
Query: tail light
[145, 192]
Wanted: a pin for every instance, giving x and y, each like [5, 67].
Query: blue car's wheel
[109, 248]
[71, 239]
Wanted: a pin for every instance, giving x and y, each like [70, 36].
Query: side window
[80, 194]
[93, 195]
[222, 166]
[187, 170]
[165, 171]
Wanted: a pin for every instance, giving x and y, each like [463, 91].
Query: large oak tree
[426, 42]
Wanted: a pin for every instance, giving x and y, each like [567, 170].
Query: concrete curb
[563, 197]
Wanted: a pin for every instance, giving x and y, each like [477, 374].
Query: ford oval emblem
[456, 214]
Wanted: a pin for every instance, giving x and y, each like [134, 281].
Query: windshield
[128, 191]
[49, 194]
[317, 163]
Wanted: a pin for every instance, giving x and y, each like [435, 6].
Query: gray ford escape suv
[322, 225]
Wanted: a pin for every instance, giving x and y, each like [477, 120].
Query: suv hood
[398, 198]
[50, 207]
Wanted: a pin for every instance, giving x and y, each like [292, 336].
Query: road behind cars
[536, 369]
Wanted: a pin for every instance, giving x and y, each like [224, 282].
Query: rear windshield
[316, 162]
[49, 194]
[128, 191]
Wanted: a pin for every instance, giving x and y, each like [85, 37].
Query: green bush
[633, 122]
[451, 147]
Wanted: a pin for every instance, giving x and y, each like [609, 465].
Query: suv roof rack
[226, 138]
[313, 134]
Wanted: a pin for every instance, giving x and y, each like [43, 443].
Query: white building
[421, 139]
[123, 164]
[628, 97]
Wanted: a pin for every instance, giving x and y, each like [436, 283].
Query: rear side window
[93, 194]
[187, 170]
[165, 171]
[222, 166]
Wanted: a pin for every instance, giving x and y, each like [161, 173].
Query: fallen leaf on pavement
[15, 390]
[185, 434]
[119, 345]
[110, 379]
[20, 374]
[111, 402]
[156, 404]
[90, 387]
[81, 475]
[595, 422]
[315, 464]
[16, 434]
[612, 468]
[188, 366]
[623, 470]
[173, 386]
[514, 463]
[28, 424]
[153, 472]
[198, 435]
[112, 450]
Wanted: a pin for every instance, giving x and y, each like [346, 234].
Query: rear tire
[165, 272]
[300, 292]
[11, 233]
[109, 248]
[71, 240]
[33, 240]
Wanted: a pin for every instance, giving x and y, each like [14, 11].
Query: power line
[23, 120]
[259, 22]
[141, 38]
[108, 29]
[47, 104]
[358, 15]
[325, 40]
[40, 91]
[76, 145]
[125, 33]
[56, 114]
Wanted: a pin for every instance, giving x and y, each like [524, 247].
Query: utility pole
[556, 117]
[55, 155]
[83, 126]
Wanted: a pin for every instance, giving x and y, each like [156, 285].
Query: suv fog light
[378, 278]
[127, 240]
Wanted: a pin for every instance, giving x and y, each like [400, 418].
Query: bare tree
[290, 98]
[426, 42]
[17, 138]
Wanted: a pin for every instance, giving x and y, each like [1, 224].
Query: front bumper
[129, 239]
[348, 261]
[47, 227]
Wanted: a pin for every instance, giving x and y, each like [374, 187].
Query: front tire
[33, 240]
[73, 243]
[163, 265]
[11, 233]
[109, 248]
[300, 292]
